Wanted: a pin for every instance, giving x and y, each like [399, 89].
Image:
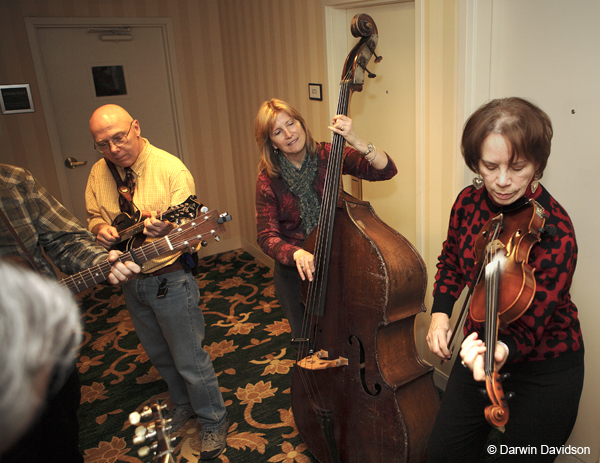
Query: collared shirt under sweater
[162, 181]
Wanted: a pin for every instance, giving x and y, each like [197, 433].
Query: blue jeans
[171, 330]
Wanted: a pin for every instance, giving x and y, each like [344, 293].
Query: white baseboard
[257, 253]
[440, 379]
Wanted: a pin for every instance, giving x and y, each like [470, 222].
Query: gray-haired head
[39, 332]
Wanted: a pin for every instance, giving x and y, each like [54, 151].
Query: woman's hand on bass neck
[343, 125]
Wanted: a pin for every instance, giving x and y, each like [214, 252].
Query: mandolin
[131, 229]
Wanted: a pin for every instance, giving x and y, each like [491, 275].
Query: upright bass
[360, 391]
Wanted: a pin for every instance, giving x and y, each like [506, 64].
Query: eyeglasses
[120, 140]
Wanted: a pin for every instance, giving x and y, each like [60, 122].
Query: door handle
[71, 163]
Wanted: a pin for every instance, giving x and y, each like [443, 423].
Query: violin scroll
[497, 413]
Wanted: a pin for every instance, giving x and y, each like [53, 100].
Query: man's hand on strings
[439, 335]
[157, 228]
[106, 235]
[305, 263]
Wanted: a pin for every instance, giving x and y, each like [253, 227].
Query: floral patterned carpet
[248, 339]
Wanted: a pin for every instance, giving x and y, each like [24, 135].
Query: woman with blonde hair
[289, 188]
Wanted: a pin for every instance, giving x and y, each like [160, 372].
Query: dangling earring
[478, 182]
[535, 183]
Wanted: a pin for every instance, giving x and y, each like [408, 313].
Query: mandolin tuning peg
[370, 74]
[483, 392]
[509, 395]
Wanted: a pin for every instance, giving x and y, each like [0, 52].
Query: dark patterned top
[549, 329]
[43, 223]
[278, 223]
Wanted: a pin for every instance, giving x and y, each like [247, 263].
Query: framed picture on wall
[315, 92]
[16, 99]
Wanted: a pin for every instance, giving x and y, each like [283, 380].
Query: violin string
[522, 229]
[492, 278]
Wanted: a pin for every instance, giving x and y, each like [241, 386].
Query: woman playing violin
[507, 143]
[289, 189]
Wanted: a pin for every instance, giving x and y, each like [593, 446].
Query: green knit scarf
[300, 182]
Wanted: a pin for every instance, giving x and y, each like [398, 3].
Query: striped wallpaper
[232, 55]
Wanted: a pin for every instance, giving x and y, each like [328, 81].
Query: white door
[81, 67]
[384, 111]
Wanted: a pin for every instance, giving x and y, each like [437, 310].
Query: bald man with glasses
[163, 302]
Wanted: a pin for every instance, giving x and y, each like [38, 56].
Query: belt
[174, 267]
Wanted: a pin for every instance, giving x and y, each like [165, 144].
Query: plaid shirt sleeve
[43, 223]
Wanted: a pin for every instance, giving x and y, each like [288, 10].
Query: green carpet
[248, 339]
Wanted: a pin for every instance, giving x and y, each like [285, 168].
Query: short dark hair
[526, 129]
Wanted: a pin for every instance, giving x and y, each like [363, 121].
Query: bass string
[316, 289]
[326, 219]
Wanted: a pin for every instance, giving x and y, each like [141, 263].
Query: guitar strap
[21, 244]
[125, 190]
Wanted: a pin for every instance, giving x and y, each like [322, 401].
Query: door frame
[336, 46]
[166, 27]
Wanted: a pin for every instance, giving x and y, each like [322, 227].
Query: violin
[504, 289]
